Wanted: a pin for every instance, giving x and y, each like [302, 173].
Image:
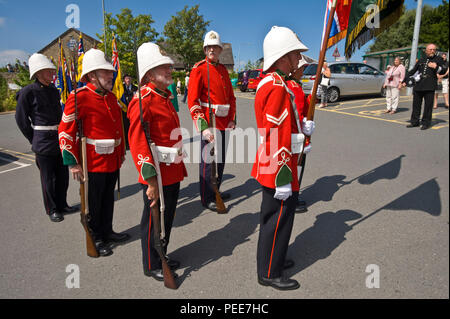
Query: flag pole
[104, 26]
[323, 50]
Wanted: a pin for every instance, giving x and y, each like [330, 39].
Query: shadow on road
[330, 229]
[216, 244]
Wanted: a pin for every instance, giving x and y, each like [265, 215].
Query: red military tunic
[301, 101]
[101, 119]
[164, 127]
[275, 164]
[221, 94]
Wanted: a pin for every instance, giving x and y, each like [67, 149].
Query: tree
[184, 35]
[433, 29]
[22, 76]
[130, 33]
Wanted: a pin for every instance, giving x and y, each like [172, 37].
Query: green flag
[368, 18]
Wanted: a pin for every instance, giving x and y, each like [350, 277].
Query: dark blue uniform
[38, 114]
[424, 89]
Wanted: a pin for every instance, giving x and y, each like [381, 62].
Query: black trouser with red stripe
[428, 97]
[276, 221]
[207, 194]
[150, 257]
[101, 202]
[54, 182]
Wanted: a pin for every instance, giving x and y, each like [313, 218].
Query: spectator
[443, 79]
[178, 86]
[324, 83]
[186, 84]
[393, 84]
[129, 90]
[428, 66]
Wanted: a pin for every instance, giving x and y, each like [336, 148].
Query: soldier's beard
[162, 80]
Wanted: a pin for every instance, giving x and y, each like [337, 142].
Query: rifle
[220, 206]
[84, 211]
[157, 217]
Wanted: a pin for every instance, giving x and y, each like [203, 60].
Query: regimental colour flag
[118, 88]
[340, 21]
[80, 61]
[63, 82]
[368, 18]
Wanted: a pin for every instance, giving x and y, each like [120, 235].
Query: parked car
[242, 80]
[254, 77]
[347, 78]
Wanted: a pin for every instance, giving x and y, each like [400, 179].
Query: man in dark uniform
[38, 114]
[128, 94]
[428, 67]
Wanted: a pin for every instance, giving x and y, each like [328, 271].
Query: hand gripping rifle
[220, 206]
[157, 216]
[84, 212]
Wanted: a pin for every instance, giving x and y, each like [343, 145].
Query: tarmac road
[378, 213]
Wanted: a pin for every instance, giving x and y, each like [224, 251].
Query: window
[343, 68]
[365, 69]
[253, 74]
[310, 69]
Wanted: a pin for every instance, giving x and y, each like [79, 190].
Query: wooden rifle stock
[220, 206]
[84, 213]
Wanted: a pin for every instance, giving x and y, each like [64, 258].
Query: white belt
[93, 142]
[45, 128]
[104, 146]
[296, 142]
[169, 155]
[221, 109]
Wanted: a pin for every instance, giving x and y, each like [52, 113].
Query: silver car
[347, 78]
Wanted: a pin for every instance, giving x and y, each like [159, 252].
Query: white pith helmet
[278, 42]
[212, 38]
[38, 62]
[94, 59]
[149, 56]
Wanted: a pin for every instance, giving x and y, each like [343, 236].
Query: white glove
[308, 127]
[283, 192]
[307, 149]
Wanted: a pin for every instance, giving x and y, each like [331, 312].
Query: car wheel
[383, 92]
[243, 88]
[333, 94]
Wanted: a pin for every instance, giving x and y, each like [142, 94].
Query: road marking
[21, 165]
[29, 157]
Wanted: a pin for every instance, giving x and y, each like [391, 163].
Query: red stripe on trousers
[274, 237]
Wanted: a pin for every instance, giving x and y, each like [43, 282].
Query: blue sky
[27, 26]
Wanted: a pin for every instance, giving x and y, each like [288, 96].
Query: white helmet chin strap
[99, 83]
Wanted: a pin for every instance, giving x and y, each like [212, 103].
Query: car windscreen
[310, 69]
[253, 74]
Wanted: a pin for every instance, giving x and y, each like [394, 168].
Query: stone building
[51, 50]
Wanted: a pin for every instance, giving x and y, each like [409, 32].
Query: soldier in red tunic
[275, 167]
[209, 77]
[155, 74]
[100, 114]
